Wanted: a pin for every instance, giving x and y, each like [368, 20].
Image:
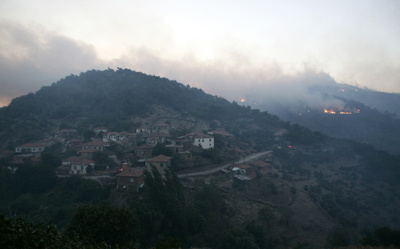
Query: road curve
[216, 169]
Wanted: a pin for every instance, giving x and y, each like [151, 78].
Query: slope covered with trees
[316, 191]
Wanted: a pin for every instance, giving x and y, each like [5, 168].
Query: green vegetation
[336, 183]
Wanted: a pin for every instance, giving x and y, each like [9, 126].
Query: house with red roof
[130, 179]
[144, 150]
[262, 166]
[30, 148]
[199, 139]
[243, 171]
[118, 137]
[160, 162]
[87, 153]
[97, 145]
[161, 128]
[78, 165]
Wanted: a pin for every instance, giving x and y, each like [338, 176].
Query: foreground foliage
[20, 233]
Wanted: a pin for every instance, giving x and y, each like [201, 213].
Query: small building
[130, 179]
[118, 137]
[144, 150]
[143, 130]
[87, 153]
[97, 145]
[161, 128]
[36, 148]
[243, 171]
[199, 139]
[65, 133]
[262, 166]
[99, 130]
[74, 143]
[187, 155]
[175, 148]
[161, 162]
[78, 165]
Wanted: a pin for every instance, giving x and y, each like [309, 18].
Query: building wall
[129, 183]
[205, 143]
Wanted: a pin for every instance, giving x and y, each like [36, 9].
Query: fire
[341, 111]
[242, 100]
[329, 111]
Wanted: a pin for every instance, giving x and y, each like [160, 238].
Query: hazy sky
[219, 46]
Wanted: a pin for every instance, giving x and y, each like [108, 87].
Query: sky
[227, 48]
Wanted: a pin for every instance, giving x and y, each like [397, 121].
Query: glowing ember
[242, 100]
[341, 111]
[329, 111]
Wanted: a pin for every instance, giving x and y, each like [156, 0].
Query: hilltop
[308, 190]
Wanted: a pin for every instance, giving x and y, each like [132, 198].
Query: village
[131, 153]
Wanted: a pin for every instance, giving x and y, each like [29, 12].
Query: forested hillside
[308, 190]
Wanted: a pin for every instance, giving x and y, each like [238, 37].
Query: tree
[102, 222]
[161, 149]
[50, 159]
[266, 215]
[237, 238]
[20, 233]
[35, 178]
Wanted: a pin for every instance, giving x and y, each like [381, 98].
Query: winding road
[216, 169]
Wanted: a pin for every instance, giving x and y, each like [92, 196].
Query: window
[132, 180]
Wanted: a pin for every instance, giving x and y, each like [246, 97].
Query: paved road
[211, 171]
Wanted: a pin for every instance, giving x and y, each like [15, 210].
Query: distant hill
[343, 111]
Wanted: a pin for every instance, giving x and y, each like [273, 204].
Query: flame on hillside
[242, 100]
[341, 111]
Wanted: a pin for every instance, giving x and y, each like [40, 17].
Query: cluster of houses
[141, 144]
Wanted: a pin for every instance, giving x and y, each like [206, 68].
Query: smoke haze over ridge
[32, 56]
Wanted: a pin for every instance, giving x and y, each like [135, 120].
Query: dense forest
[318, 191]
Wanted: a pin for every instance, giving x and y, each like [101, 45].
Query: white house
[30, 148]
[117, 136]
[199, 139]
[78, 166]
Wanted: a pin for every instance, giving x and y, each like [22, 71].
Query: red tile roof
[30, 145]
[197, 135]
[131, 172]
[146, 146]
[74, 159]
[96, 143]
[88, 150]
